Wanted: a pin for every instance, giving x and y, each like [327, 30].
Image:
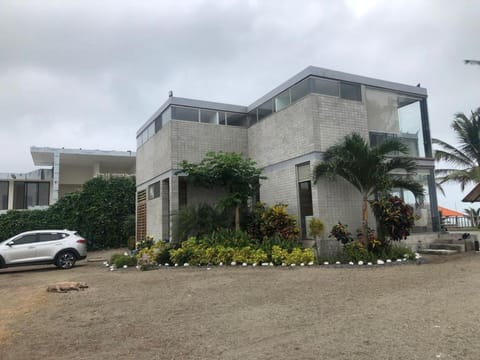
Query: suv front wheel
[65, 260]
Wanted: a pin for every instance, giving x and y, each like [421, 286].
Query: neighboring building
[68, 170]
[286, 132]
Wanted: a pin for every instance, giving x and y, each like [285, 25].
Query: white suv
[60, 247]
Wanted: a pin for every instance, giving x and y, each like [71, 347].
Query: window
[158, 124]
[154, 190]
[28, 194]
[26, 239]
[208, 116]
[265, 109]
[184, 113]
[252, 117]
[394, 115]
[182, 191]
[166, 116]
[282, 100]
[50, 237]
[350, 91]
[222, 118]
[304, 177]
[300, 90]
[325, 86]
[3, 195]
[236, 119]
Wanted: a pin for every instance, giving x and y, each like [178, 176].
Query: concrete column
[96, 169]
[10, 194]
[173, 200]
[56, 176]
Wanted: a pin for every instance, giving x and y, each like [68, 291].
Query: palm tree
[369, 169]
[473, 215]
[466, 157]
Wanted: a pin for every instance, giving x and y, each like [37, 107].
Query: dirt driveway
[428, 311]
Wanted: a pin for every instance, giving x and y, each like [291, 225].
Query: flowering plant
[340, 232]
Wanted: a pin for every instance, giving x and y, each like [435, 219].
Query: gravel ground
[428, 311]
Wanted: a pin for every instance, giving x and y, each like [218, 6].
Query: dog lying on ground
[67, 286]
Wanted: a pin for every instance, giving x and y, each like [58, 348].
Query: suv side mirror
[10, 243]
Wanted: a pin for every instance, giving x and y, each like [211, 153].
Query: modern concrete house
[67, 170]
[286, 132]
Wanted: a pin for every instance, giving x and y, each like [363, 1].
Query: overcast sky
[88, 74]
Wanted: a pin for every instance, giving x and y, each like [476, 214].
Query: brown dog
[67, 286]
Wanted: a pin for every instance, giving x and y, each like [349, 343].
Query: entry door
[306, 207]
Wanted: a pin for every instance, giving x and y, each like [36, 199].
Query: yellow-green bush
[148, 255]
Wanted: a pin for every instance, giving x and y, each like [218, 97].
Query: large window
[3, 195]
[184, 113]
[350, 91]
[394, 115]
[29, 194]
[325, 86]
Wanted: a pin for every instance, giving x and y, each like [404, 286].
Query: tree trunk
[237, 217]
[365, 221]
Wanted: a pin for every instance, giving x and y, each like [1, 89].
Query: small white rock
[337, 263]
[233, 263]
[264, 264]
[209, 268]
[271, 264]
[254, 264]
[360, 262]
[186, 264]
[176, 264]
[389, 261]
[380, 262]
[399, 260]
[302, 264]
[125, 253]
[369, 263]
[283, 264]
[125, 266]
[325, 263]
[137, 267]
[310, 263]
[351, 263]
[167, 264]
[221, 264]
[293, 265]
[244, 264]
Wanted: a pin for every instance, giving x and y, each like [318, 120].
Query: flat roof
[44, 156]
[308, 71]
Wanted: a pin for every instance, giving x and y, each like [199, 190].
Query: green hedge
[103, 212]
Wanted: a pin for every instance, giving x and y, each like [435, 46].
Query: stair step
[447, 246]
[437, 251]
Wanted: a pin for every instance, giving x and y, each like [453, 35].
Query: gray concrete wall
[283, 135]
[281, 187]
[334, 118]
[192, 141]
[155, 156]
[154, 218]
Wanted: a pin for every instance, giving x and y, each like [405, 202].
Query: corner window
[351, 91]
[235, 119]
[300, 90]
[265, 109]
[325, 86]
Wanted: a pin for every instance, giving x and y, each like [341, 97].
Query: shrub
[198, 220]
[355, 251]
[315, 227]
[269, 222]
[341, 233]
[227, 237]
[278, 255]
[394, 217]
[119, 260]
[149, 251]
